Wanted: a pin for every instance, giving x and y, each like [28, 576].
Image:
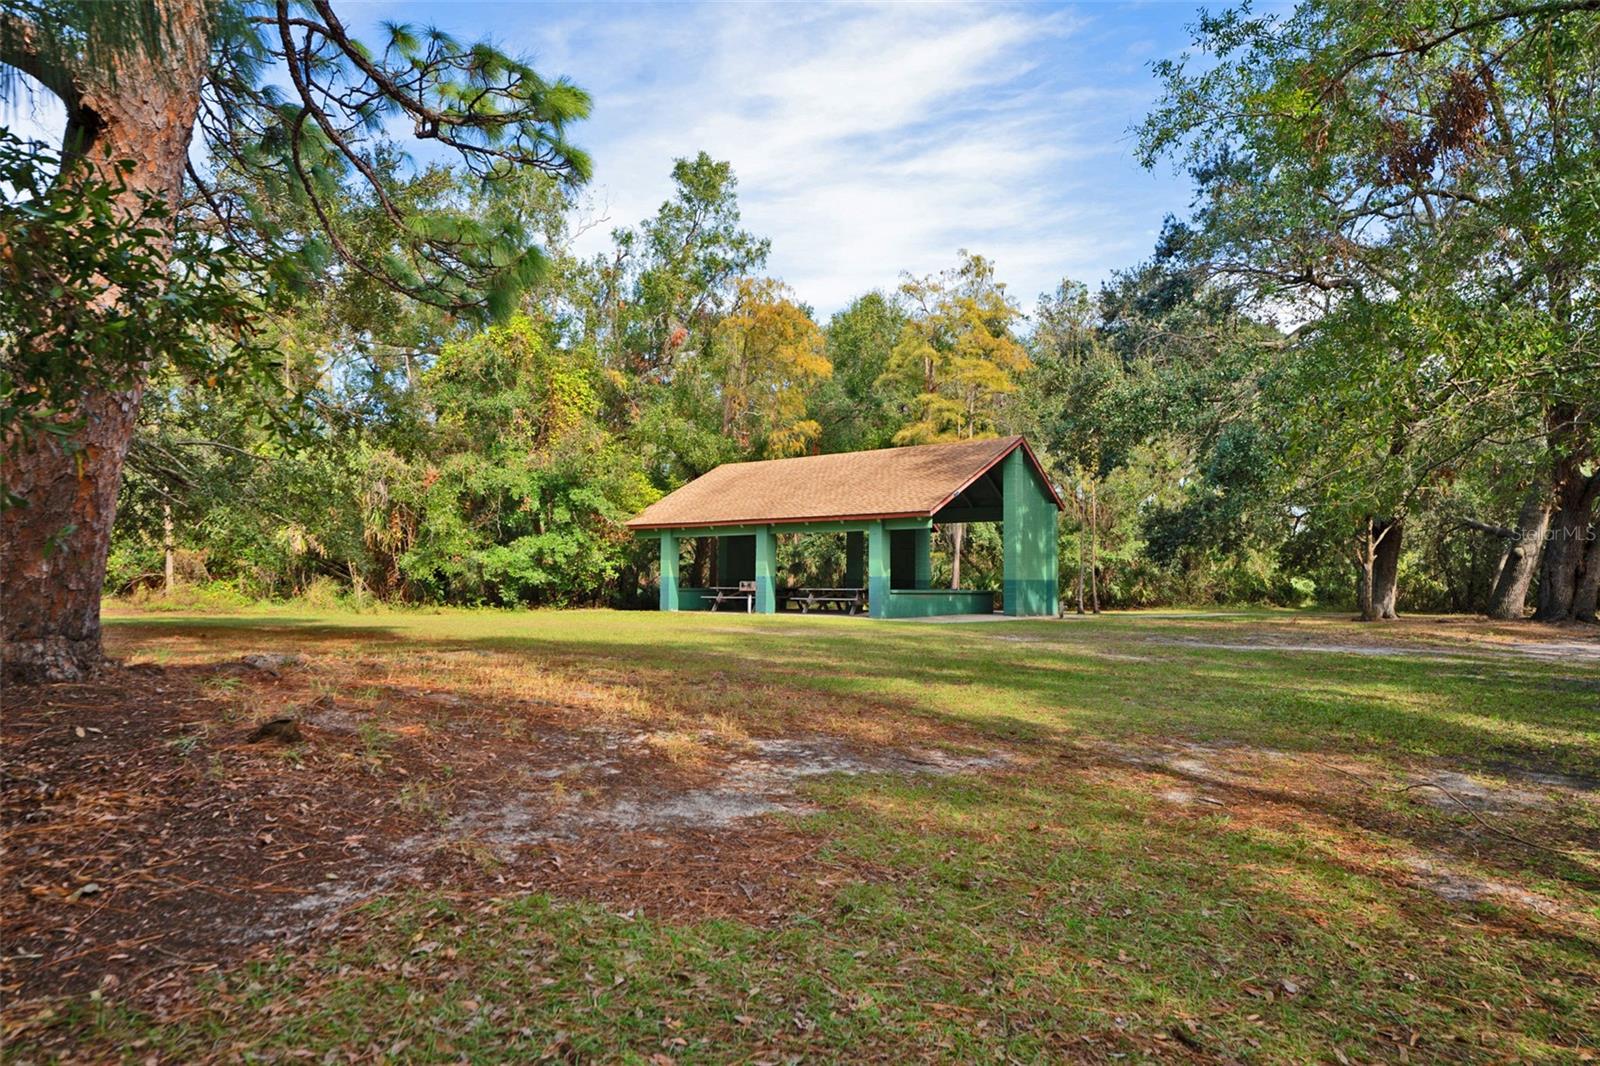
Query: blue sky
[869, 140]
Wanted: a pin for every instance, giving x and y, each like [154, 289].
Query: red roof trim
[818, 519]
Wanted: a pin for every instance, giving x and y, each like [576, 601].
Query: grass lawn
[1223, 836]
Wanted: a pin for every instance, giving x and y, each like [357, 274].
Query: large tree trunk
[53, 549]
[1510, 594]
[1586, 602]
[1386, 570]
[1565, 548]
[1378, 568]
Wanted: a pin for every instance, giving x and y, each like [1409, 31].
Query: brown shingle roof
[888, 483]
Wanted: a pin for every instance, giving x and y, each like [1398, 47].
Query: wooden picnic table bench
[849, 600]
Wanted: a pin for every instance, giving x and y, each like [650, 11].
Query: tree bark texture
[53, 548]
[1567, 540]
[1586, 601]
[168, 549]
[1378, 563]
[1510, 595]
[1386, 570]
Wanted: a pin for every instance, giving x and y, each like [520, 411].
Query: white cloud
[867, 140]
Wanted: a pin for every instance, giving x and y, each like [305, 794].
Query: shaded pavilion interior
[886, 503]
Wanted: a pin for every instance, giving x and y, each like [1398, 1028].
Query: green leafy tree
[655, 304]
[90, 288]
[1082, 405]
[1133, 390]
[1417, 185]
[766, 355]
[957, 362]
[654, 311]
[956, 356]
[669, 281]
[853, 409]
[522, 494]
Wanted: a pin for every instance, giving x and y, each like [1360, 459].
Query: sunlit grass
[1057, 909]
[1115, 676]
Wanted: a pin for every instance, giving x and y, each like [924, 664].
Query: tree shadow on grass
[1051, 699]
[1475, 718]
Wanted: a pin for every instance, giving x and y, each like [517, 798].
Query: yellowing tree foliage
[768, 353]
[957, 352]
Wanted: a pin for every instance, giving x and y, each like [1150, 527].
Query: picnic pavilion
[886, 502]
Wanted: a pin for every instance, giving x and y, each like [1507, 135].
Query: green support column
[1028, 532]
[922, 541]
[766, 571]
[855, 560]
[877, 570]
[669, 571]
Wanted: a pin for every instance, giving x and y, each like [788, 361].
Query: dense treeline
[427, 460]
[1362, 372]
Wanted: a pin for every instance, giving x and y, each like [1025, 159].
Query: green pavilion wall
[1028, 534]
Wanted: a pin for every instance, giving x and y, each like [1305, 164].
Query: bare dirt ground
[1420, 636]
[153, 832]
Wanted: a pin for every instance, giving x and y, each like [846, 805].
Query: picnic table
[744, 590]
[849, 600]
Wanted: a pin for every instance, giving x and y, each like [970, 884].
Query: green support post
[669, 571]
[1028, 533]
[855, 560]
[877, 570]
[766, 571]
